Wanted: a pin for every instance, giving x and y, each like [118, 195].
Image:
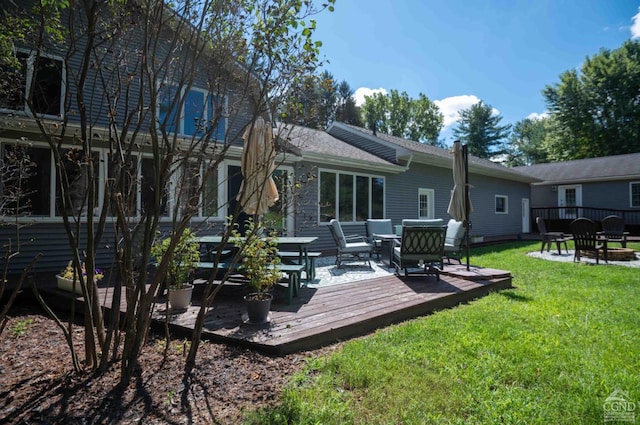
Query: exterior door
[526, 218]
[569, 196]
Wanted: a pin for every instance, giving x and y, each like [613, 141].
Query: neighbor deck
[320, 316]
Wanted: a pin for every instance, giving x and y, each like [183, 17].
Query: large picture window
[35, 85]
[634, 194]
[350, 197]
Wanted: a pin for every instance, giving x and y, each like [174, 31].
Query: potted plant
[184, 260]
[68, 278]
[261, 266]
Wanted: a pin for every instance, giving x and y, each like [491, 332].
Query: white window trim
[338, 172]
[28, 79]
[506, 204]
[631, 184]
[431, 196]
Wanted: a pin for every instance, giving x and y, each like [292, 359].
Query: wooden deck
[320, 316]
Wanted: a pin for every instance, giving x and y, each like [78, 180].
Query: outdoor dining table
[386, 246]
[299, 243]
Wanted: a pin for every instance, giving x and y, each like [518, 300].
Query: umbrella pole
[465, 155]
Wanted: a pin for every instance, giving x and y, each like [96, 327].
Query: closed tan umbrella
[460, 205]
[258, 190]
[456, 203]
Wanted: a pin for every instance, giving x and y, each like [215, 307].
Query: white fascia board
[587, 180]
[353, 163]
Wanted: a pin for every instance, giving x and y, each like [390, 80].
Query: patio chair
[349, 247]
[613, 230]
[585, 238]
[377, 226]
[454, 241]
[549, 238]
[420, 247]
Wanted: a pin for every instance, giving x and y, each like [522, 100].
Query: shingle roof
[605, 168]
[444, 157]
[317, 142]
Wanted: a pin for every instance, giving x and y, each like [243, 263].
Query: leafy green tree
[597, 109]
[480, 129]
[399, 112]
[374, 112]
[399, 115]
[527, 142]
[427, 121]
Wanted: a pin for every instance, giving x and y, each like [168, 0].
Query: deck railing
[558, 219]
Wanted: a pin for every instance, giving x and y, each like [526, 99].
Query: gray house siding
[402, 191]
[484, 219]
[47, 235]
[402, 199]
[603, 194]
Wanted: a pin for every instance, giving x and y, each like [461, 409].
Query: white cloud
[537, 116]
[635, 28]
[450, 106]
[361, 92]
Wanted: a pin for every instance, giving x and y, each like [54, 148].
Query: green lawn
[549, 351]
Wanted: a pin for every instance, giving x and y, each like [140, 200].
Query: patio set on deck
[416, 246]
[588, 239]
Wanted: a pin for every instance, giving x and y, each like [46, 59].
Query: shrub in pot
[260, 265]
[183, 259]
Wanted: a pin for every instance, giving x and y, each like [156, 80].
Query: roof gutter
[354, 163]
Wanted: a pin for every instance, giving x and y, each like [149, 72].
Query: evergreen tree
[480, 129]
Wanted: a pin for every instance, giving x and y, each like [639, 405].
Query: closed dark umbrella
[258, 190]
[460, 205]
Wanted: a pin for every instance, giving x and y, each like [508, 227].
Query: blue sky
[503, 52]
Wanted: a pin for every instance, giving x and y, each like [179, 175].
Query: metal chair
[379, 226]
[454, 241]
[349, 247]
[613, 230]
[551, 237]
[420, 247]
[585, 238]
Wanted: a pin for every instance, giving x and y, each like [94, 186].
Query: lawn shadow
[515, 297]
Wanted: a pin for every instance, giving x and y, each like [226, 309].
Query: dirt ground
[38, 385]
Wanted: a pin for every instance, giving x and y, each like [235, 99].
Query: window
[201, 110]
[277, 215]
[502, 204]
[634, 194]
[27, 177]
[426, 203]
[77, 167]
[129, 173]
[350, 197]
[37, 79]
[26, 181]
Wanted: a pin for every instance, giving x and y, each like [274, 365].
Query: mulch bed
[38, 385]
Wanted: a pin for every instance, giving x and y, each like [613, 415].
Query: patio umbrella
[258, 191]
[460, 205]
